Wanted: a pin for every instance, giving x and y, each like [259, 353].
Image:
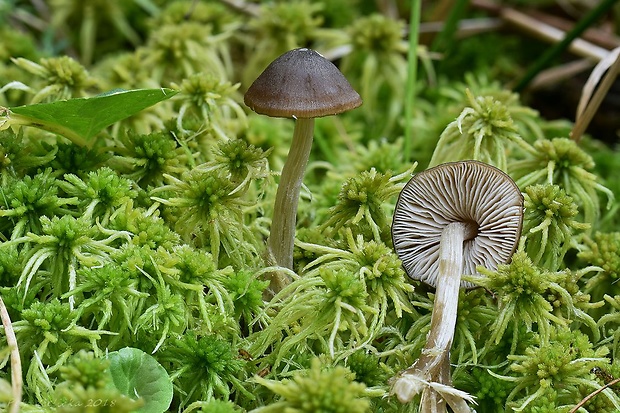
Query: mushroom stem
[433, 365]
[282, 233]
[443, 319]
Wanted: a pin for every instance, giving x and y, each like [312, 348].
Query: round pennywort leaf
[136, 374]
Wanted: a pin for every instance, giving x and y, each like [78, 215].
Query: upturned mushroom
[448, 220]
[303, 85]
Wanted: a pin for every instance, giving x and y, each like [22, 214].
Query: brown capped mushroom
[303, 85]
[448, 220]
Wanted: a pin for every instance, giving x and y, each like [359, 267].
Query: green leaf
[137, 374]
[81, 119]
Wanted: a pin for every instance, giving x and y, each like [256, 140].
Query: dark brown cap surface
[301, 84]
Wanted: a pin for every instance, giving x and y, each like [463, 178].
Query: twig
[594, 35]
[547, 57]
[549, 33]
[591, 395]
[466, 27]
[16, 365]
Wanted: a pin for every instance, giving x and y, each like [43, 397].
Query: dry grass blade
[551, 34]
[562, 73]
[16, 366]
[594, 91]
[594, 79]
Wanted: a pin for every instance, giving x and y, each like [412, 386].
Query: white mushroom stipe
[448, 220]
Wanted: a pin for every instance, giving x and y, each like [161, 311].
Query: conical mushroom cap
[301, 84]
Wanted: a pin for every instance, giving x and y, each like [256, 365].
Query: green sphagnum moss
[154, 236]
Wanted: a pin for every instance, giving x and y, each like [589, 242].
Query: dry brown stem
[591, 395]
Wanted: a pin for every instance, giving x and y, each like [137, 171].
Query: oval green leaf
[137, 374]
[81, 119]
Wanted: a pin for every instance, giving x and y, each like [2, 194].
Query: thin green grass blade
[412, 59]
